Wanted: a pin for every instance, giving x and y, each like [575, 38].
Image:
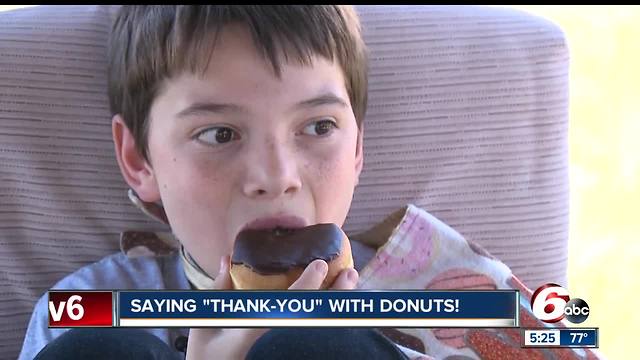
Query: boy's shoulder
[117, 271]
[113, 272]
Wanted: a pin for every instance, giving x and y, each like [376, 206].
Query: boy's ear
[135, 169]
[359, 155]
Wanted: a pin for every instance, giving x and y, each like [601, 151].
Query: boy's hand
[314, 275]
[235, 343]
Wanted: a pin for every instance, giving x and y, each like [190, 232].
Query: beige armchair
[468, 104]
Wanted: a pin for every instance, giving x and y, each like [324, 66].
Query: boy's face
[240, 144]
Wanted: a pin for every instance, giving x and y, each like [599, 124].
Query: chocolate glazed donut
[274, 259]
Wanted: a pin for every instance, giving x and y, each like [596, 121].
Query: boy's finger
[312, 277]
[223, 279]
[346, 280]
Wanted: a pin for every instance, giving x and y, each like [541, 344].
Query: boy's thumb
[223, 279]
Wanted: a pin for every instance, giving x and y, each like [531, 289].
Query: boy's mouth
[278, 231]
[279, 224]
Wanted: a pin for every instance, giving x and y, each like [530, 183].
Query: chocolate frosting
[267, 253]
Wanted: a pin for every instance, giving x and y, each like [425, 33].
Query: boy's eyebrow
[204, 108]
[323, 99]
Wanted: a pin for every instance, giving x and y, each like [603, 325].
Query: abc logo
[551, 303]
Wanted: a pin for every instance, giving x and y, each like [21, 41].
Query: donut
[273, 259]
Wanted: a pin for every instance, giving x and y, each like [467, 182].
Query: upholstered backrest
[467, 118]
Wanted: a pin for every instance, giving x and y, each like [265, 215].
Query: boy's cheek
[191, 171]
[337, 168]
[334, 196]
[191, 192]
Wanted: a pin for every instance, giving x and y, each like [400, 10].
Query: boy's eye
[319, 127]
[217, 135]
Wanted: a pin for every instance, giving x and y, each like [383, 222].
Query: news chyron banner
[291, 308]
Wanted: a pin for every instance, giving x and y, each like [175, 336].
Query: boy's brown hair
[149, 44]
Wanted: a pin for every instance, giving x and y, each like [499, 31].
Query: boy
[231, 117]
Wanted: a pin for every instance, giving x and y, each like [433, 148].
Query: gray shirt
[114, 272]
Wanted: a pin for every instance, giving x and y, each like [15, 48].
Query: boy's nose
[272, 171]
